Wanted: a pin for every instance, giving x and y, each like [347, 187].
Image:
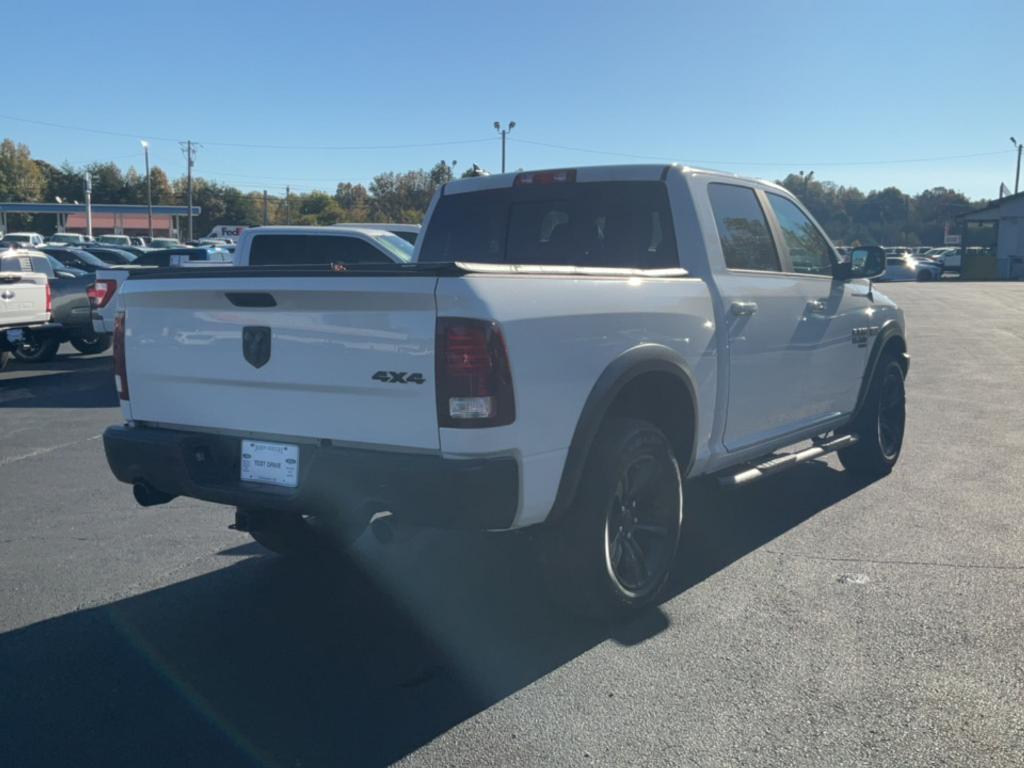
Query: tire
[287, 535]
[924, 276]
[880, 425]
[92, 345]
[37, 349]
[613, 550]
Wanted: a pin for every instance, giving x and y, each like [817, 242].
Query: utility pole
[1016, 184]
[88, 204]
[149, 191]
[287, 205]
[504, 132]
[189, 148]
[266, 215]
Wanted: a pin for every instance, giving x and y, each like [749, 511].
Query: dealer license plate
[272, 463]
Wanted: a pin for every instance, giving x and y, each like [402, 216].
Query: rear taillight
[120, 369]
[49, 297]
[536, 178]
[101, 292]
[474, 383]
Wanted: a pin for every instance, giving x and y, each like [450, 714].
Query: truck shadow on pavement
[68, 381]
[278, 663]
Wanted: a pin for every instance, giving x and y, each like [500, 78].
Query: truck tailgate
[197, 356]
[22, 299]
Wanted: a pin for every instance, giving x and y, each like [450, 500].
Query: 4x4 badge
[399, 377]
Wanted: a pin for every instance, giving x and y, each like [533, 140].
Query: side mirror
[866, 261]
[63, 274]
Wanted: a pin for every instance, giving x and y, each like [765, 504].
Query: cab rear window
[594, 224]
[295, 250]
[26, 263]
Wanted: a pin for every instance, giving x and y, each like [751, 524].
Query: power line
[109, 159]
[349, 148]
[84, 129]
[608, 153]
[758, 163]
[289, 178]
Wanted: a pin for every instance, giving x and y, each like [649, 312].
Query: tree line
[886, 216]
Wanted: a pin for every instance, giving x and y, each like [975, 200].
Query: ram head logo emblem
[256, 345]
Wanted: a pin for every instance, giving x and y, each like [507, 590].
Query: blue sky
[759, 88]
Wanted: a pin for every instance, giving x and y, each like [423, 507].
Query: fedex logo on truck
[226, 230]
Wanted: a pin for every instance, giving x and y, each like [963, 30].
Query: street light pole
[1016, 184]
[149, 191]
[88, 204]
[504, 132]
[189, 149]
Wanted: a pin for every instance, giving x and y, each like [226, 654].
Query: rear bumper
[9, 337]
[101, 324]
[64, 330]
[355, 483]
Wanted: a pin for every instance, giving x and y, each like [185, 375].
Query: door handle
[743, 308]
[816, 305]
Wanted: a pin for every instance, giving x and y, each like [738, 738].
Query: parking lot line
[41, 451]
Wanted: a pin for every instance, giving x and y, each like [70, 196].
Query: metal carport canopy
[65, 208]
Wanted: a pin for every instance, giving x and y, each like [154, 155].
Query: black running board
[787, 461]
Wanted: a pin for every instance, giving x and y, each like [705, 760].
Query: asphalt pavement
[815, 620]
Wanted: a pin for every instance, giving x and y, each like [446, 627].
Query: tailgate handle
[251, 299]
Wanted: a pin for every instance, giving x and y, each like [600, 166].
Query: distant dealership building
[106, 218]
[993, 236]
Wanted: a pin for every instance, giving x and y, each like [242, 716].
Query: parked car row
[285, 246]
[920, 263]
[407, 232]
[68, 307]
[903, 267]
[69, 273]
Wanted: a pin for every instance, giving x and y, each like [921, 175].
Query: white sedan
[904, 268]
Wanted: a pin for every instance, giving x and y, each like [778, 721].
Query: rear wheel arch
[649, 382]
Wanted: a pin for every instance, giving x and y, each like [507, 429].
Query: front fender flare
[890, 330]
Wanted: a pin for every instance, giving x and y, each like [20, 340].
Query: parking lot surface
[815, 621]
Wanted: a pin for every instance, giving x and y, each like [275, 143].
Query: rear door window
[743, 229]
[593, 224]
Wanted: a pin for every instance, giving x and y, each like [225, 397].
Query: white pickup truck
[25, 302]
[566, 348]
